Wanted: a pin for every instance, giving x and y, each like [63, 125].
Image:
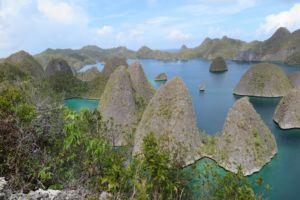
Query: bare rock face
[111, 64]
[58, 65]
[143, 89]
[287, 113]
[161, 77]
[245, 140]
[218, 65]
[265, 80]
[247, 55]
[51, 195]
[26, 63]
[118, 102]
[3, 185]
[170, 115]
[295, 79]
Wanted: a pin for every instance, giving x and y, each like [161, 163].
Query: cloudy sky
[34, 25]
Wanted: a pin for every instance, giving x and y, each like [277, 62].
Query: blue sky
[34, 25]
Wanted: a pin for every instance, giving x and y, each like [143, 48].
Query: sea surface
[211, 108]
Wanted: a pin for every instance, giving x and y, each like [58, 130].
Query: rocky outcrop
[112, 63]
[58, 65]
[40, 194]
[26, 63]
[218, 65]
[295, 79]
[89, 75]
[247, 55]
[245, 140]
[143, 89]
[287, 113]
[3, 185]
[118, 103]
[293, 59]
[265, 80]
[161, 77]
[170, 116]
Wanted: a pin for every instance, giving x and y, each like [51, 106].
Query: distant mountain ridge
[281, 46]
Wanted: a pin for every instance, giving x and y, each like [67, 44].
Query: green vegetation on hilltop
[58, 65]
[26, 64]
[73, 57]
[66, 84]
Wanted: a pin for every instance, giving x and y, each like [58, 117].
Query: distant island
[282, 46]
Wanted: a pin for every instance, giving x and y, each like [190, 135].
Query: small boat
[201, 88]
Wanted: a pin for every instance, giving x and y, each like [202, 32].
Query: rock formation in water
[112, 63]
[218, 65]
[118, 103]
[245, 140]
[124, 99]
[58, 65]
[143, 89]
[26, 63]
[265, 80]
[170, 116]
[161, 77]
[295, 79]
[287, 113]
[89, 74]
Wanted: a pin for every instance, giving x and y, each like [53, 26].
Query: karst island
[149, 100]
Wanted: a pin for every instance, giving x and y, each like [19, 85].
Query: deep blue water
[211, 108]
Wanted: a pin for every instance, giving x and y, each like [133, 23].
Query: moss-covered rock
[287, 113]
[58, 65]
[295, 79]
[245, 140]
[170, 116]
[218, 65]
[112, 63]
[143, 89]
[118, 103]
[265, 80]
[26, 63]
[161, 77]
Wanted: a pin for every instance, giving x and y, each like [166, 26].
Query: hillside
[26, 63]
[80, 57]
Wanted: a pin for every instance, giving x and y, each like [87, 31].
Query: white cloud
[34, 25]
[289, 19]
[104, 30]
[60, 11]
[177, 34]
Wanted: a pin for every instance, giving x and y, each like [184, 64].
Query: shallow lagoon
[78, 103]
[211, 107]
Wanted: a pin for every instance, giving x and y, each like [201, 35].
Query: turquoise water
[211, 108]
[78, 103]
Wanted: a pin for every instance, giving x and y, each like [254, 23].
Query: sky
[35, 25]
